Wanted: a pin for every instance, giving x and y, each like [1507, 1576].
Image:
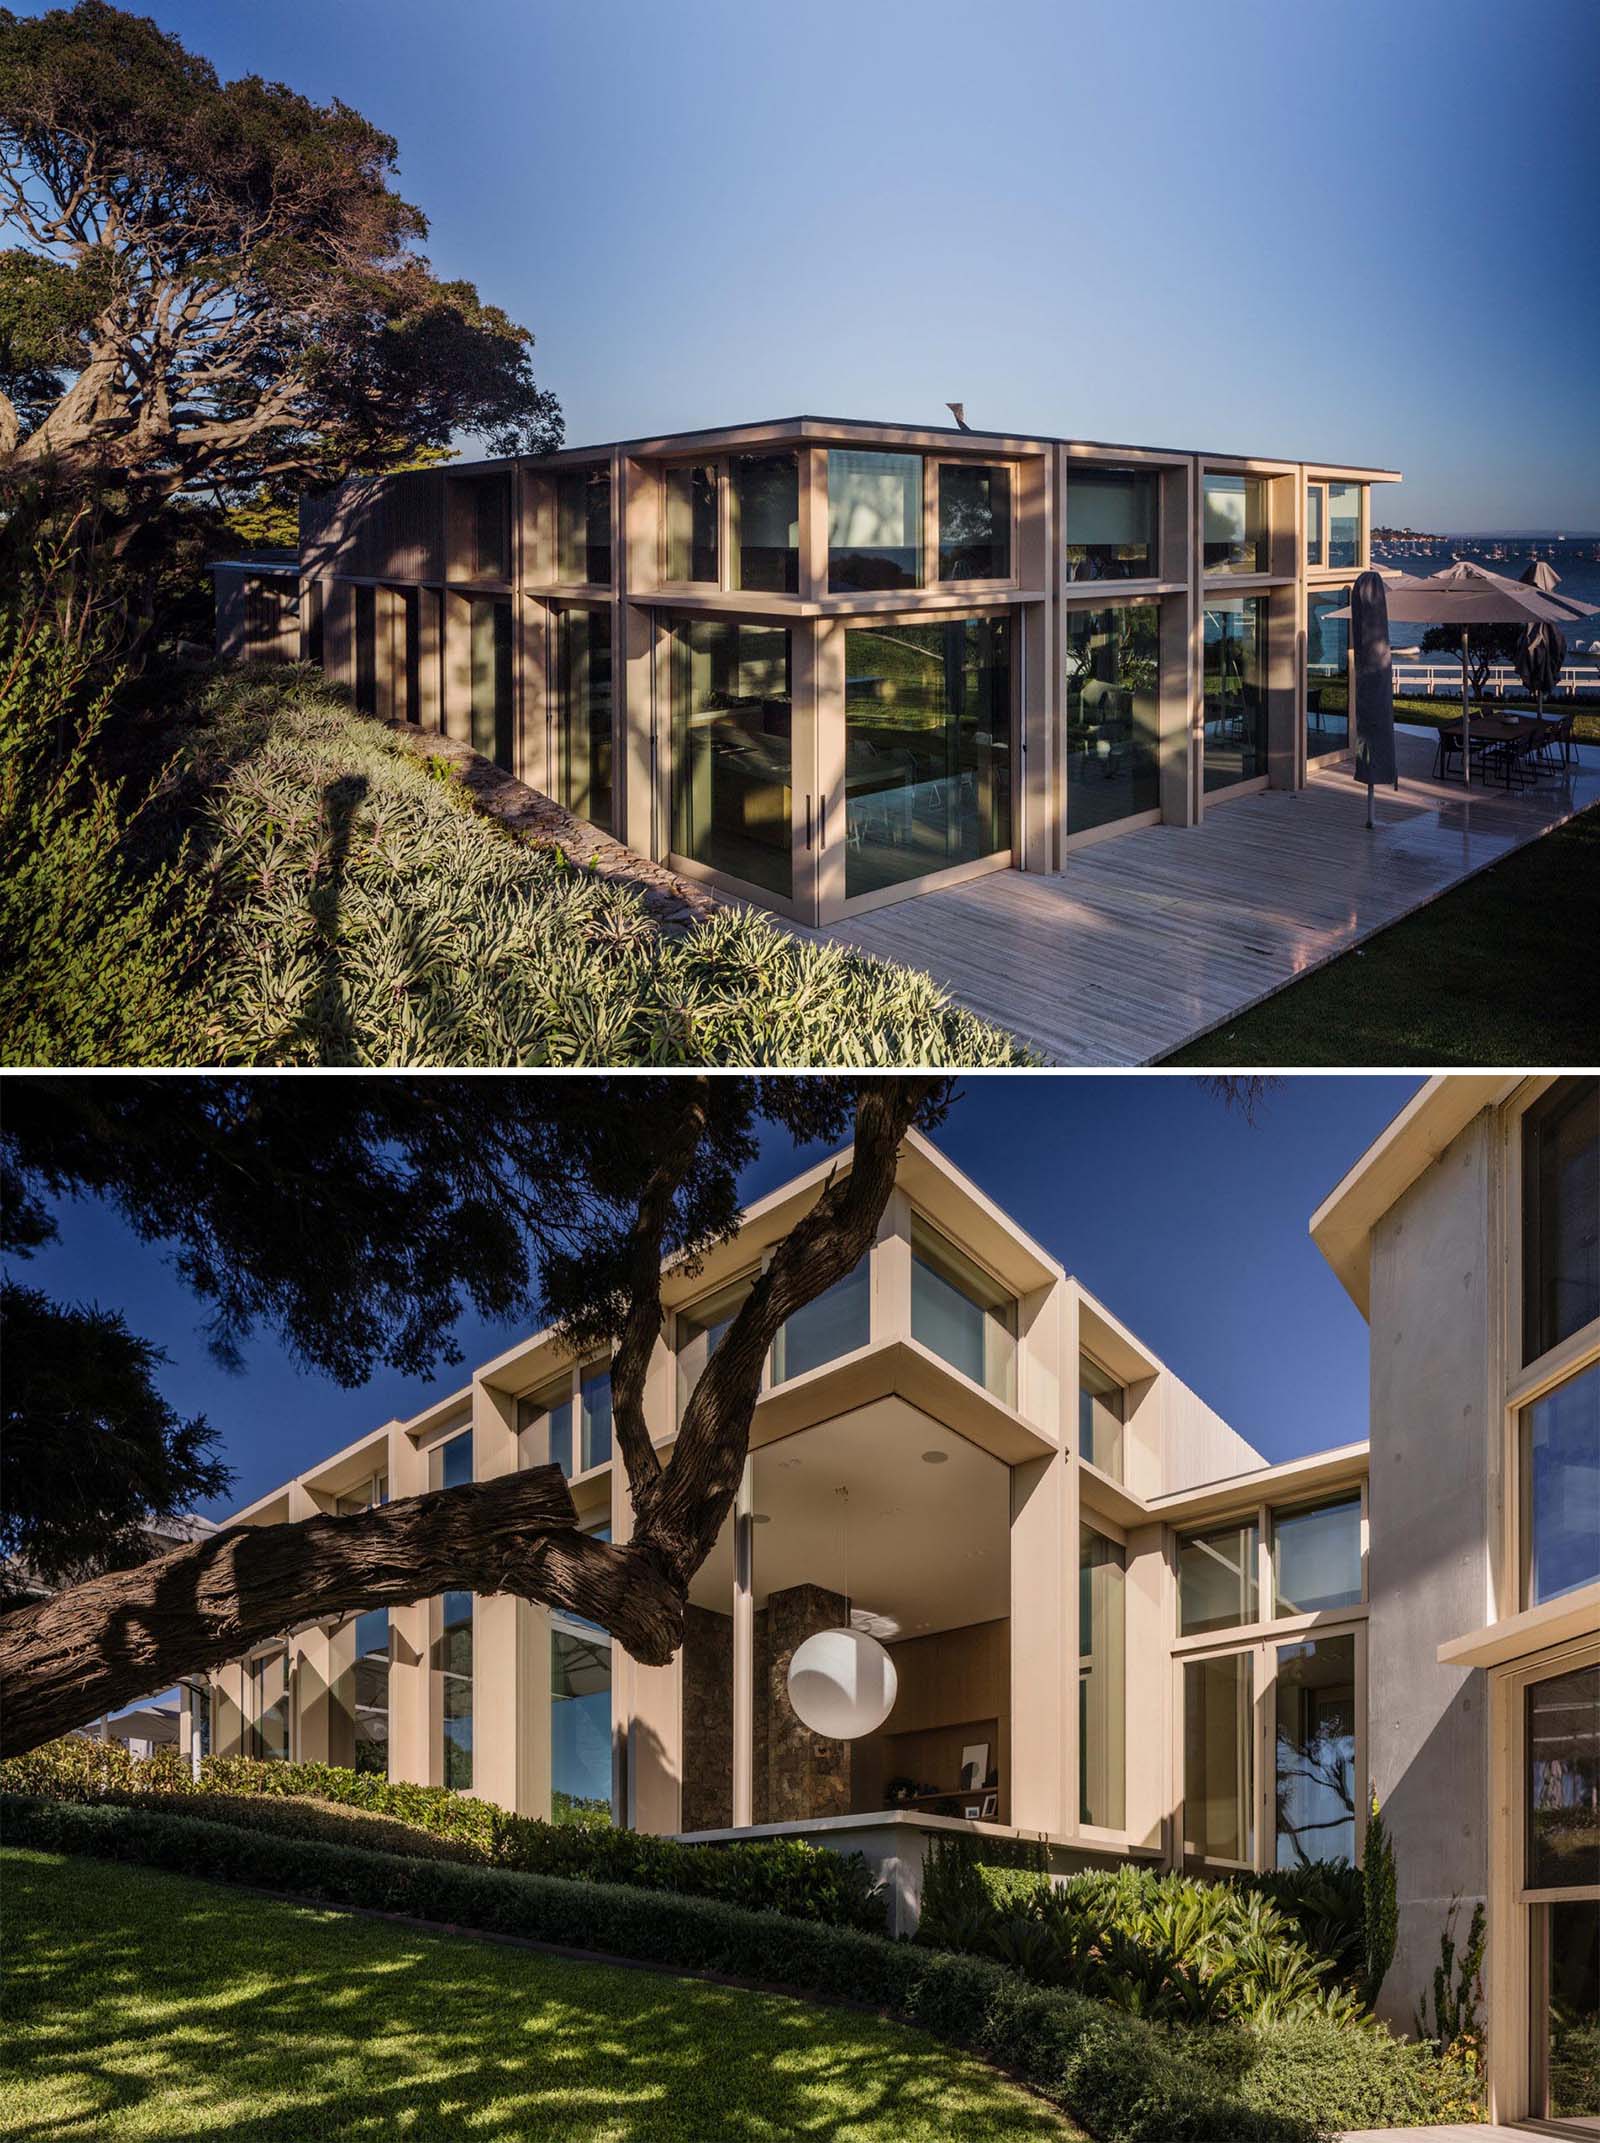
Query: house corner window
[1102, 1406]
[1560, 1214]
[1102, 1697]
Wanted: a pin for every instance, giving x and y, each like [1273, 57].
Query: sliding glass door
[1235, 690]
[582, 747]
[733, 774]
[1561, 1890]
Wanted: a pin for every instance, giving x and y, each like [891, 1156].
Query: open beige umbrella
[1464, 595]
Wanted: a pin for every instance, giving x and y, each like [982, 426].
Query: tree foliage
[1486, 645]
[216, 286]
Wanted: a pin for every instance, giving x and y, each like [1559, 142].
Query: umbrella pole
[1466, 717]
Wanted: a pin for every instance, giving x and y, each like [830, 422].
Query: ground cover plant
[1125, 2078]
[326, 896]
[1499, 970]
[142, 2005]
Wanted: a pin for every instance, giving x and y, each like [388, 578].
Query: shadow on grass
[146, 2005]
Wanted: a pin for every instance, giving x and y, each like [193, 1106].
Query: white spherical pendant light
[842, 1683]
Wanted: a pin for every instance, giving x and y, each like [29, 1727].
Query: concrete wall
[1434, 1338]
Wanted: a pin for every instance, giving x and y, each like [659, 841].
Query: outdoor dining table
[1509, 737]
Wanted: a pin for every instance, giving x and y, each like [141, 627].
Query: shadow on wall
[1442, 1845]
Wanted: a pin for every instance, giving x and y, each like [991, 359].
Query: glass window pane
[1219, 1760]
[960, 1313]
[1314, 504]
[1111, 524]
[366, 630]
[583, 527]
[584, 737]
[580, 1723]
[1102, 1688]
[1101, 1401]
[836, 1323]
[1217, 1579]
[491, 684]
[491, 528]
[1561, 1488]
[269, 1706]
[1316, 1557]
[874, 520]
[1560, 1214]
[927, 749]
[1568, 2031]
[1235, 690]
[974, 522]
[1316, 1751]
[1234, 519]
[1344, 524]
[450, 1462]
[1327, 674]
[1113, 713]
[594, 1398]
[766, 522]
[544, 1426]
[692, 524]
[1563, 1724]
[453, 1659]
[732, 804]
[369, 1692]
[700, 1328]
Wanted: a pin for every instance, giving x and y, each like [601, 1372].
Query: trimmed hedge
[784, 1875]
[1125, 2080]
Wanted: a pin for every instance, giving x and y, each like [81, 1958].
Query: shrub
[1380, 1905]
[769, 1874]
[1128, 2082]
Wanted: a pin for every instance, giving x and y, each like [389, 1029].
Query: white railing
[1442, 680]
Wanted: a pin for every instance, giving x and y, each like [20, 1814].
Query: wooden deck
[1147, 940]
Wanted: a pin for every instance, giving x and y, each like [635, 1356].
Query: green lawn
[146, 2005]
[1500, 970]
[1436, 712]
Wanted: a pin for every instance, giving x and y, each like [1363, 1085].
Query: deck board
[1142, 942]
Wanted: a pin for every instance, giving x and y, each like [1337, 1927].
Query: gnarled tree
[357, 1218]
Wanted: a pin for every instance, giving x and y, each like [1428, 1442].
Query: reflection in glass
[974, 522]
[1102, 1693]
[1315, 500]
[960, 1313]
[453, 1663]
[366, 634]
[874, 520]
[731, 798]
[580, 1721]
[583, 527]
[1217, 1579]
[1561, 1488]
[369, 1692]
[836, 1323]
[269, 1706]
[1344, 525]
[1234, 524]
[491, 678]
[692, 523]
[491, 528]
[927, 748]
[1560, 1214]
[1113, 713]
[1235, 690]
[1567, 2035]
[450, 1462]
[700, 1329]
[1327, 674]
[1563, 1727]
[584, 743]
[1316, 1751]
[594, 1405]
[1100, 1410]
[1219, 1760]
[1316, 1557]
[544, 1426]
[766, 522]
[1111, 524]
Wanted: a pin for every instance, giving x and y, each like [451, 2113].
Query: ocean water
[1574, 559]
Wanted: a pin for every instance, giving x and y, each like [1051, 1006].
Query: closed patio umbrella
[1464, 595]
[1374, 684]
[1543, 647]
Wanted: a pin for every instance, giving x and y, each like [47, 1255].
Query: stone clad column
[807, 1774]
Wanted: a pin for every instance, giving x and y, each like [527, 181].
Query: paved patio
[1147, 940]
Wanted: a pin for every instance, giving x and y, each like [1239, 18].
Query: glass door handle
[808, 822]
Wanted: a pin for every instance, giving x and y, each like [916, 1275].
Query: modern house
[1113, 1625]
[827, 664]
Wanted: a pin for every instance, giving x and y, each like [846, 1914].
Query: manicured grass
[1500, 970]
[145, 2005]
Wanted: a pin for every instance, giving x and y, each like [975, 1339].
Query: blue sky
[1187, 1220]
[1365, 232]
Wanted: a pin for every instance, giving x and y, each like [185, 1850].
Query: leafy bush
[101, 943]
[768, 1874]
[1380, 1904]
[369, 915]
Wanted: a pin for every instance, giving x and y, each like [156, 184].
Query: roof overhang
[1498, 1644]
[1342, 1225]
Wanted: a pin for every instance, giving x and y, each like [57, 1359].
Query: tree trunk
[112, 1640]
